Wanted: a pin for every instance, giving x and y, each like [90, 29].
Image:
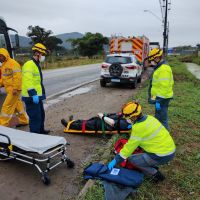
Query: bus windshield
[2, 41]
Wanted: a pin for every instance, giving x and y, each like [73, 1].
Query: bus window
[2, 41]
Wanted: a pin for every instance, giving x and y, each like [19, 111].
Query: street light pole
[165, 33]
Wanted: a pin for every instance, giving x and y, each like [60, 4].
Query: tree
[90, 44]
[39, 34]
[52, 43]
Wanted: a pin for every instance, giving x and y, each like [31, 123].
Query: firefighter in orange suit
[11, 79]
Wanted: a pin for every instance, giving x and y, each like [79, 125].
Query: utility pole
[165, 32]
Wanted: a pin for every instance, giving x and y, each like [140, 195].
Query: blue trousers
[147, 164]
[162, 114]
[36, 115]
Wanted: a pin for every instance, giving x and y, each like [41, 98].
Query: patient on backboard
[102, 123]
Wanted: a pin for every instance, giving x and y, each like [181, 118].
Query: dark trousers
[146, 163]
[36, 115]
[162, 114]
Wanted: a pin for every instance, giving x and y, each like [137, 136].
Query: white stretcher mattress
[31, 142]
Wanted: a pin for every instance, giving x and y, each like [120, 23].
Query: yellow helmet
[40, 48]
[131, 109]
[155, 53]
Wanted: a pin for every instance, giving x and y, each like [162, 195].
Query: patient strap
[83, 126]
[103, 125]
[118, 123]
[68, 124]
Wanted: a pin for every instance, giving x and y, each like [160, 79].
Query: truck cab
[5, 41]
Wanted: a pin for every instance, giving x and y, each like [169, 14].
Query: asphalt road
[58, 80]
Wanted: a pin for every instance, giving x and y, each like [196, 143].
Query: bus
[5, 40]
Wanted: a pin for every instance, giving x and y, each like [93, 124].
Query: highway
[58, 80]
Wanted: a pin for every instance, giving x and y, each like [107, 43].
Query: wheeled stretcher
[95, 125]
[45, 152]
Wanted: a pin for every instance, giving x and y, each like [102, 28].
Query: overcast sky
[124, 17]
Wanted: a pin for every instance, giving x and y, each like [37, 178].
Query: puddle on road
[67, 95]
[75, 92]
[194, 69]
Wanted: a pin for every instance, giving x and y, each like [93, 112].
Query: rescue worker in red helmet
[161, 86]
[150, 135]
[11, 79]
[33, 92]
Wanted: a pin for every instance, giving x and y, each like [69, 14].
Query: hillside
[66, 36]
[25, 41]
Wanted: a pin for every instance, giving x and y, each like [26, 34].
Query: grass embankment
[183, 173]
[196, 60]
[190, 58]
[61, 62]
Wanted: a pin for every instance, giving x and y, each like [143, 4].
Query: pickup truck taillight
[104, 66]
[131, 67]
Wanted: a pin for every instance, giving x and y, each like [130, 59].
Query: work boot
[20, 125]
[64, 122]
[158, 177]
[46, 132]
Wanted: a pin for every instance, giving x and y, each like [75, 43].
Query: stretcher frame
[100, 132]
[7, 152]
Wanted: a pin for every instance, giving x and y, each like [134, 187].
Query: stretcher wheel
[70, 164]
[4, 158]
[46, 179]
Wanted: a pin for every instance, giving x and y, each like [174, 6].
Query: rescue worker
[150, 135]
[161, 86]
[11, 79]
[33, 92]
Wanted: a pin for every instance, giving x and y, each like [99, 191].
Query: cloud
[125, 17]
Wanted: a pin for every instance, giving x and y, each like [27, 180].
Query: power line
[161, 9]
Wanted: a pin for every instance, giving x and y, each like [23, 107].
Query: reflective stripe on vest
[149, 137]
[168, 154]
[17, 70]
[7, 74]
[162, 79]
[6, 115]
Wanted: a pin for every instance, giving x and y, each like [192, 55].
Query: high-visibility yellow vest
[31, 79]
[151, 136]
[162, 82]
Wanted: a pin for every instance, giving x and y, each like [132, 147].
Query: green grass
[183, 173]
[196, 60]
[61, 62]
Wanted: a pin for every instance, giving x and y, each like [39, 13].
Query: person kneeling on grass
[150, 135]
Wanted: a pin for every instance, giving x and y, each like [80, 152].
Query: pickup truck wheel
[102, 83]
[134, 84]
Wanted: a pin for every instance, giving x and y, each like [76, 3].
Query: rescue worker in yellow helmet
[11, 79]
[150, 135]
[33, 92]
[161, 86]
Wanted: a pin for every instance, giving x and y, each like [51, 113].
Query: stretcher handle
[9, 142]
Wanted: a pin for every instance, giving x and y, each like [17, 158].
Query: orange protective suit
[11, 79]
